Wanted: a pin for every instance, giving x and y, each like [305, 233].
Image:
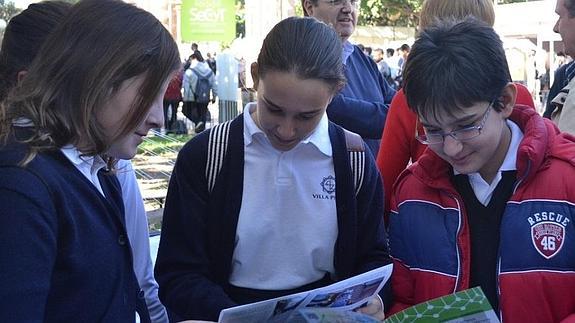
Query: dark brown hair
[305, 46]
[23, 37]
[99, 45]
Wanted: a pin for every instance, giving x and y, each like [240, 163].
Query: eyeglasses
[341, 3]
[437, 137]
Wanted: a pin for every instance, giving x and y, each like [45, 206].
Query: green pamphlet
[468, 306]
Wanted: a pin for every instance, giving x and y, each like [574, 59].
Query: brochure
[332, 303]
[468, 306]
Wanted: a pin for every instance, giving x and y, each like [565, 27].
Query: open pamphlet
[468, 306]
[333, 303]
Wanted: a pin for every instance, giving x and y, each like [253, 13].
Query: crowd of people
[448, 173]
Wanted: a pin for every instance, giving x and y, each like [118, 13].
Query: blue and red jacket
[430, 241]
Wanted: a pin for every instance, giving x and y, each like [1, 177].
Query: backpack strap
[217, 148]
[356, 151]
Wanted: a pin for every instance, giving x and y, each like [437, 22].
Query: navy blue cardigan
[362, 105]
[65, 255]
[199, 229]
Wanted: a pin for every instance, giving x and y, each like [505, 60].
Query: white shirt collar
[510, 161]
[348, 49]
[319, 136]
[483, 190]
[91, 164]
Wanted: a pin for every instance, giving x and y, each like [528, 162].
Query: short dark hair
[23, 37]
[305, 46]
[198, 56]
[390, 51]
[405, 47]
[453, 65]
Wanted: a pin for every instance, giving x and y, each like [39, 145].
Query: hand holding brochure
[345, 295]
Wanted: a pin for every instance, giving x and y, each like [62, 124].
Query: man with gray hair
[361, 106]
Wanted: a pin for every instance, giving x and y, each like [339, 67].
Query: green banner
[208, 20]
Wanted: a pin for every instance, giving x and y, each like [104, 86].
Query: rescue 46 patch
[548, 232]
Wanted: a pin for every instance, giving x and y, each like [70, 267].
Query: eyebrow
[465, 119]
[268, 101]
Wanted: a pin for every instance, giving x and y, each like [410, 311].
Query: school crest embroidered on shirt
[328, 184]
[547, 237]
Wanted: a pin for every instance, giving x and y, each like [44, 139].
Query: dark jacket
[361, 106]
[559, 81]
[199, 229]
[65, 255]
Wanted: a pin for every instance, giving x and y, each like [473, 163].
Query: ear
[307, 7]
[507, 98]
[20, 76]
[255, 76]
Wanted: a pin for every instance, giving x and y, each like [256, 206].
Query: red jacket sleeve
[398, 144]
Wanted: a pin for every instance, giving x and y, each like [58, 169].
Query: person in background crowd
[403, 53]
[361, 106]
[188, 61]
[83, 103]
[259, 232]
[199, 81]
[393, 62]
[367, 51]
[23, 38]
[382, 66]
[172, 99]
[563, 75]
[211, 60]
[188, 107]
[564, 102]
[491, 202]
[399, 145]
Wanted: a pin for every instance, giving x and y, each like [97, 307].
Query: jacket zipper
[457, 249]
[498, 269]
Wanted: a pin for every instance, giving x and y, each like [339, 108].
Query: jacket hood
[542, 140]
[202, 68]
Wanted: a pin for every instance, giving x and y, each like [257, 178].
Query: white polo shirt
[287, 226]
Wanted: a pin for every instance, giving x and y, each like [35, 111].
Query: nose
[451, 147]
[286, 129]
[347, 6]
[556, 27]
[155, 117]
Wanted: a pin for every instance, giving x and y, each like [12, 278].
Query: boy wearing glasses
[491, 203]
[361, 106]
